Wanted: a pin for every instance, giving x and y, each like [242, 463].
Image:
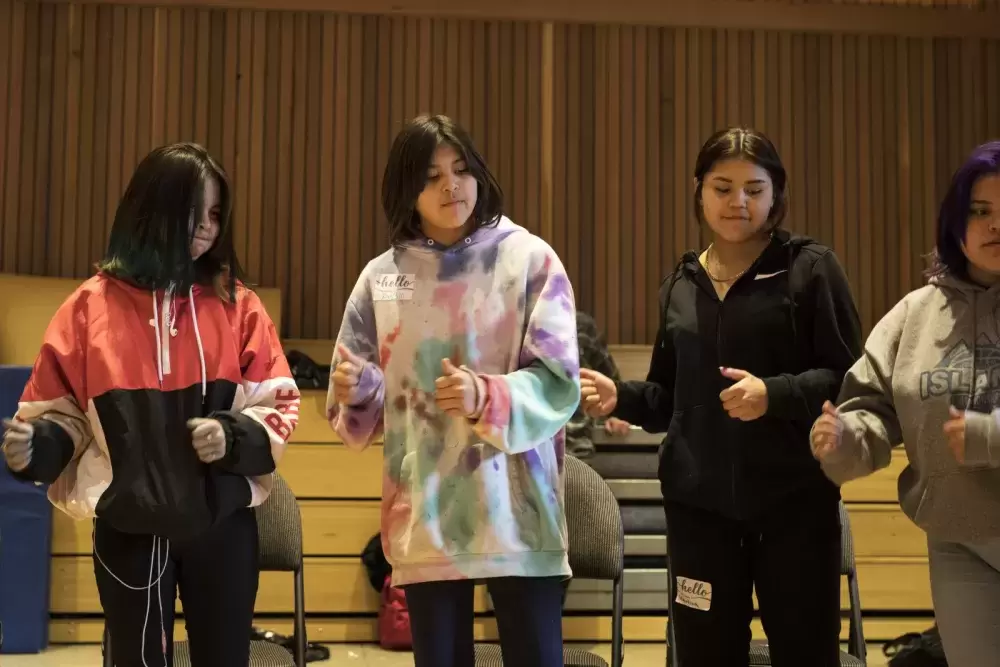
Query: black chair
[760, 655]
[596, 551]
[279, 528]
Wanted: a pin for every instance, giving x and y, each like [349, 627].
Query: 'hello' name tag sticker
[694, 594]
[394, 286]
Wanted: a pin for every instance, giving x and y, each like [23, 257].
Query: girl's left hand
[954, 430]
[747, 399]
[457, 391]
[208, 438]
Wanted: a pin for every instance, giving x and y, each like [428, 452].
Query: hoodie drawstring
[162, 368]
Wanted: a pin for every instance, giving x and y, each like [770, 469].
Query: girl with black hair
[756, 332]
[459, 345]
[160, 404]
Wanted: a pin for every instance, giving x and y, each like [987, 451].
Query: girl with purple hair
[930, 380]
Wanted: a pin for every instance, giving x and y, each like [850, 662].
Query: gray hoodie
[918, 361]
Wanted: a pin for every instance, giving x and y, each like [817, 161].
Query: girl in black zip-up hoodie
[756, 332]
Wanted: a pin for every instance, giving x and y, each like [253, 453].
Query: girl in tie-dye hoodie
[459, 348]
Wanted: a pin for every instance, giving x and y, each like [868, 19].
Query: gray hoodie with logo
[938, 347]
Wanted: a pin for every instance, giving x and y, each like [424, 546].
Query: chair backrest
[279, 529]
[846, 542]
[594, 522]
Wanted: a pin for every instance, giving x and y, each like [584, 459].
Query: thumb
[448, 367]
[734, 373]
[830, 409]
[347, 355]
[954, 412]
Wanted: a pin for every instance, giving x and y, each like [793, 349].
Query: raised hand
[17, 445]
[954, 431]
[598, 393]
[747, 399]
[208, 439]
[827, 433]
[346, 377]
[457, 391]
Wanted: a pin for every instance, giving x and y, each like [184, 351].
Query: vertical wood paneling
[592, 132]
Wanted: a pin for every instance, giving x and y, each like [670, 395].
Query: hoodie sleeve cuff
[481, 393]
[981, 440]
[779, 394]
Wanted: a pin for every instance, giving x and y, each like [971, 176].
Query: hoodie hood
[781, 240]
[483, 235]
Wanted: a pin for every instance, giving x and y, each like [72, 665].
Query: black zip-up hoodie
[790, 320]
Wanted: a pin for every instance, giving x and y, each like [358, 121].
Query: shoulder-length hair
[953, 216]
[406, 170]
[150, 242]
[747, 144]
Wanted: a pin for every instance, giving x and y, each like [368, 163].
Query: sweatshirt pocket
[683, 447]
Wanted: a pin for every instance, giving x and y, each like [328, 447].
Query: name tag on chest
[394, 286]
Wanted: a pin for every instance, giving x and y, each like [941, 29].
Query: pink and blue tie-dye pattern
[465, 499]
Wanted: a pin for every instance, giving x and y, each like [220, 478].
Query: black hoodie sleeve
[650, 404]
[835, 345]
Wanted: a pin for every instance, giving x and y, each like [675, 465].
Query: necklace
[725, 280]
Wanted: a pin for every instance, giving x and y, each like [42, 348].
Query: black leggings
[791, 557]
[216, 574]
[528, 613]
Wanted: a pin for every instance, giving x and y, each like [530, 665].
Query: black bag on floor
[307, 373]
[916, 650]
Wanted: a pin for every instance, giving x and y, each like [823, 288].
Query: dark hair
[953, 216]
[747, 144]
[150, 242]
[406, 175]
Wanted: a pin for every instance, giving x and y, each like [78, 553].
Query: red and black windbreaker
[122, 370]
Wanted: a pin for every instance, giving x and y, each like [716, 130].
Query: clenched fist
[17, 446]
[458, 391]
[747, 399]
[346, 377]
[598, 393]
[208, 438]
[954, 431]
[827, 433]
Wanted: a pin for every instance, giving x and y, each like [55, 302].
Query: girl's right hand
[346, 377]
[827, 433]
[17, 444]
[598, 393]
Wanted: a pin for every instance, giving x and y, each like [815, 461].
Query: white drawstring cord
[148, 588]
[201, 349]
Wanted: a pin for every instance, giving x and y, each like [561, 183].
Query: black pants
[216, 574]
[792, 557]
[528, 613]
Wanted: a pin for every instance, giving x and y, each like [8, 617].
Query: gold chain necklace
[726, 280]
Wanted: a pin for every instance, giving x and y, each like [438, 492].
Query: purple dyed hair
[953, 217]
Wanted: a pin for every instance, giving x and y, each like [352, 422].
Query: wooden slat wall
[984, 5]
[592, 131]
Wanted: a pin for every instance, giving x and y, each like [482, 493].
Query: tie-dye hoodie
[465, 499]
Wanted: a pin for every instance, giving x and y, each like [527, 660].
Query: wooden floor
[355, 655]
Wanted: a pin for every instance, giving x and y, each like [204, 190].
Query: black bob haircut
[747, 144]
[405, 175]
[150, 242]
